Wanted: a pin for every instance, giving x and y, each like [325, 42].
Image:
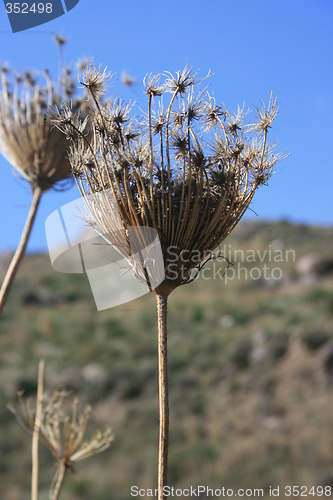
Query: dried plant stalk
[163, 393]
[35, 435]
[20, 251]
[59, 483]
[187, 169]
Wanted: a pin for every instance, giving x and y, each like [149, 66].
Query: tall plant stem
[19, 253]
[162, 302]
[35, 436]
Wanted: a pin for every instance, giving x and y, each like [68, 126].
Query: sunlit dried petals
[212, 112]
[180, 82]
[193, 108]
[118, 111]
[235, 121]
[68, 122]
[94, 79]
[266, 115]
[152, 85]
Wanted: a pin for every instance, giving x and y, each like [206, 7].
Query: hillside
[250, 370]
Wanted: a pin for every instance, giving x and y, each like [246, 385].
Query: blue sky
[252, 46]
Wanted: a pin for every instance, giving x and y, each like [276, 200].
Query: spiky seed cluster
[189, 169]
[94, 79]
[62, 431]
[27, 138]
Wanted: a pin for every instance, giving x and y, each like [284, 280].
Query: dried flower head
[189, 172]
[28, 140]
[62, 429]
[94, 79]
[266, 114]
[127, 79]
[152, 85]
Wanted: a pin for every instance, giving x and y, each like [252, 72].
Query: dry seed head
[94, 79]
[127, 79]
[152, 85]
[63, 427]
[180, 82]
[266, 114]
[60, 40]
[190, 172]
[213, 113]
[27, 139]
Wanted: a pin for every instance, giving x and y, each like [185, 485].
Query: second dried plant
[31, 144]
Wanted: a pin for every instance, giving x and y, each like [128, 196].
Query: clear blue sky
[253, 46]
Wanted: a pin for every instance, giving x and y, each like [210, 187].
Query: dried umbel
[188, 168]
[62, 428]
[31, 144]
[27, 138]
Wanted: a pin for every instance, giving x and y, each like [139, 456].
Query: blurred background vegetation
[250, 368]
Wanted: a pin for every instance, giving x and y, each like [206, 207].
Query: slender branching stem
[150, 135]
[19, 253]
[263, 151]
[35, 435]
[60, 480]
[163, 395]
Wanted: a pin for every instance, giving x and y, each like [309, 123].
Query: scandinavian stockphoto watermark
[124, 264]
[121, 265]
[198, 491]
[205, 491]
[228, 263]
[28, 14]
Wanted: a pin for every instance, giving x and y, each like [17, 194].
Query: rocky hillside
[250, 360]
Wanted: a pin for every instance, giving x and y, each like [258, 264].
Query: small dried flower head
[180, 82]
[127, 79]
[193, 108]
[94, 79]
[266, 114]
[235, 121]
[63, 428]
[213, 113]
[189, 171]
[152, 85]
[119, 111]
[60, 40]
[27, 139]
[158, 121]
[68, 122]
